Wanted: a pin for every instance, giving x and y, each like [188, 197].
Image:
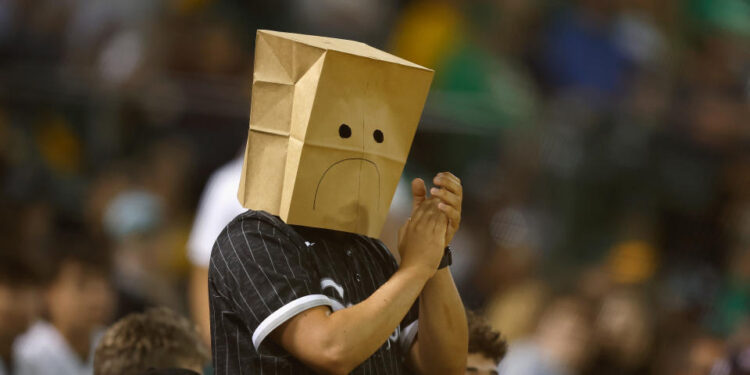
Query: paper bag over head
[331, 125]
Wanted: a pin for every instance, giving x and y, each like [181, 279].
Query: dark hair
[93, 253]
[18, 268]
[158, 338]
[20, 262]
[485, 340]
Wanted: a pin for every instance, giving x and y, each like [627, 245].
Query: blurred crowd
[604, 149]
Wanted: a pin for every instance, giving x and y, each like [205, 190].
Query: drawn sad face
[345, 131]
[356, 142]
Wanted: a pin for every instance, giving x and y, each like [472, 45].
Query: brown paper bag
[331, 124]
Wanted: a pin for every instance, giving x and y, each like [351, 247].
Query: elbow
[336, 360]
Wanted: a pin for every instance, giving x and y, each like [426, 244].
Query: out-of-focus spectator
[132, 218]
[561, 344]
[580, 51]
[605, 143]
[356, 19]
[486, 347]
[736, 354]
[157, 339]
[705, 354]
[79, 302]
[517, 309]
[21, 281]
[623, 335]
[217, 207]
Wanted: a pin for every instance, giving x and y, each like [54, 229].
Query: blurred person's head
[80, 297]
[564, 332]
[157, 339]
[486, 347]
[705, 351]
[624, 329]
[21, 279]
[735, 364]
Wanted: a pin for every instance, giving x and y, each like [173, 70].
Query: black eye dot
[378, 135]
[345, 131]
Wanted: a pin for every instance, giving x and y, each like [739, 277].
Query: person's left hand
[450, 192]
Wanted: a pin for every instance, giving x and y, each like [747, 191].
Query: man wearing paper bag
[298, 284]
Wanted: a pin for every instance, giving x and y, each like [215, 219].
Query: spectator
[158, 341]
[560, 345]
[79, 302]
[218, 206]
[20, 288]
[486, 347]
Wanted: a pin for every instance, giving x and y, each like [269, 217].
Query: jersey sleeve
[267, 276]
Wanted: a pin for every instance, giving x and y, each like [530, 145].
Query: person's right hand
[422, 237]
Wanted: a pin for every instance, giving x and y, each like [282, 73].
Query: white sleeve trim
[408, 335]
[286, 312]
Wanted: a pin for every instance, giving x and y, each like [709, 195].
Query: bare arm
[336, 343]
[443, 339]
[199, 301]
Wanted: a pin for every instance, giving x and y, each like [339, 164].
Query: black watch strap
[447, 258]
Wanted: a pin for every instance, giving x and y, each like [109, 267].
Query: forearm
[340, 341]
[364, 327]
[443, 337]
[199, 301]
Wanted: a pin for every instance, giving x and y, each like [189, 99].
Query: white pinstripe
[270, 259]
[226, 345]
[239, 260]
[231, 298]
[291, 270]
[281, 247]
[369, 255]
[238, 283]
[214, 347]
[265, 247]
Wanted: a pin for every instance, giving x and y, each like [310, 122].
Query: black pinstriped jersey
[264, 272]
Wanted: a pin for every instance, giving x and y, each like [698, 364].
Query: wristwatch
[447, 258]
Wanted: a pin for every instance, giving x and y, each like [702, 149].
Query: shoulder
[42, 339]
[253, 231]
[253, 222]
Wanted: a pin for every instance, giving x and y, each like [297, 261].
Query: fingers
[453, 215]
[418, 192]
[425, 211]
[447, 197]
[417, 213]
[449, 181]
[434, 218]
